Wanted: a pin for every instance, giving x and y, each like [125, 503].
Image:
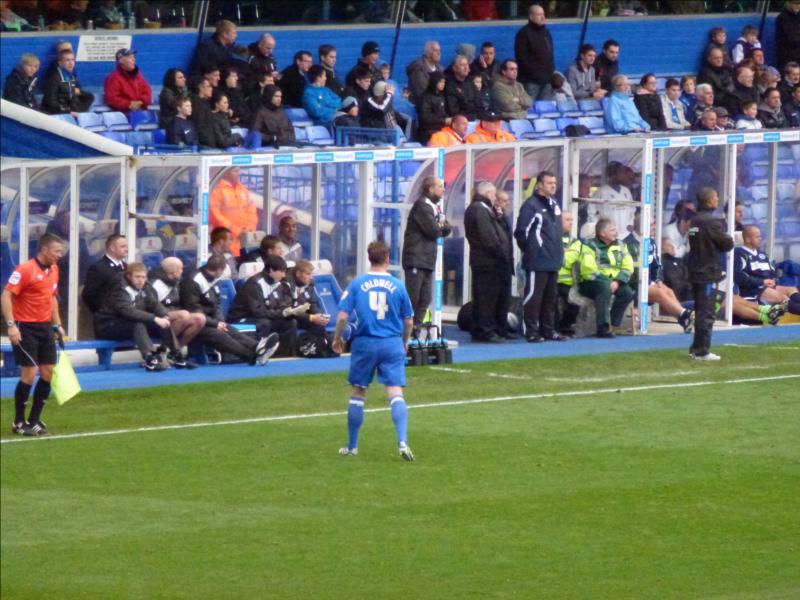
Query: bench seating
[104, 348]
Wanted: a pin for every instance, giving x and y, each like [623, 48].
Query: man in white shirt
[678, 232]
[620, 206]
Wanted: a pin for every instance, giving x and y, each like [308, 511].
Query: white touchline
[451, 370]
[508, 376]
[670, 374]
[639, 388]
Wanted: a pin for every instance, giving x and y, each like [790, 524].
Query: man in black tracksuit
[425, 225]
[490, 261]
[707, 239]
[131, 310]
[538, 235]
[199, 293]
[266, 300]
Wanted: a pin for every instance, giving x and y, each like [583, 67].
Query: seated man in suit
[100, 276]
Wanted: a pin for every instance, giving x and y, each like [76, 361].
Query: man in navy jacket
[538, 235]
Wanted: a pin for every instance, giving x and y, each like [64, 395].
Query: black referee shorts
[38, 345]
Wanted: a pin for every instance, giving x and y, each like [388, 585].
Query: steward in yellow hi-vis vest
[606, 267]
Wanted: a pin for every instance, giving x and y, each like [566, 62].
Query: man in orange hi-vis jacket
[230, 206]
[451, 135]
[488, 130]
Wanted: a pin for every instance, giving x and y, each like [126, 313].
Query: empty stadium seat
[300, 134]
[546, 128]
[117, 136]
[116, 121]
[143, 120]
[319, 135]
[149, 251]
[594, 124]
[91, 122]
[159, 136]
[299, 117]
[137, 138]
[591, 107]
[569, 108]
[547, 109]
[227, 293]
[522, 129]
[67, 118]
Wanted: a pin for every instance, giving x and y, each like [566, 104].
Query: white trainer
[266, 348]
[706, 357]
[345, 451]
[405, 452]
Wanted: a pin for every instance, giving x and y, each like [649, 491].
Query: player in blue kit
[383, 323]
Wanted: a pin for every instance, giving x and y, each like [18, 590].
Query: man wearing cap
[723, 118]
[509, 97]
[348, 114]
[370, 53]
[125, 88]
[488, 130]
[451, 135]
[420, 70]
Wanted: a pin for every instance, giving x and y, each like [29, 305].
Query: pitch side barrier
[343, 198]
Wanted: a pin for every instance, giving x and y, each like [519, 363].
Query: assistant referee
[30, 310]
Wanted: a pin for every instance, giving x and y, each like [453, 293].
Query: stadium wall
[664, 45]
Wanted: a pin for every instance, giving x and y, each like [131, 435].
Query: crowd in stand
[229, 85]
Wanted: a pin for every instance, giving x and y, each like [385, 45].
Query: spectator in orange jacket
[488, 130]
[230, 207]
[126, 89]
[450, 135]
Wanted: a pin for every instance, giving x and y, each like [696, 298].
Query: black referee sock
[40, 394]
[20, 400]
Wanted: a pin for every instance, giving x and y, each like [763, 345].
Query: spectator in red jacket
[126, 89]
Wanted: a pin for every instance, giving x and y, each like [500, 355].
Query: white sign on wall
[101, 48]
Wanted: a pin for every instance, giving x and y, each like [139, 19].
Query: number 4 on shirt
[377, 302]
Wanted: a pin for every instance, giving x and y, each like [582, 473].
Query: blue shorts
[387, 355]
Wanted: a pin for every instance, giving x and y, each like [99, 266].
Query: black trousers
[567, 313]
[419, 284]
[231, 341]
[139, 332]
[704, 305]
[490, 293]
[539, 308]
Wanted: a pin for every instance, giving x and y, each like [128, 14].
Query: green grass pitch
[657, 492]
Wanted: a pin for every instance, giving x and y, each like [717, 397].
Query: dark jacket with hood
[533, 49]
[19, 89]
[772, 119]
[538, 234]
[261, 297]
[707, 239]
[169, 97]
[423, 230]
[275, 127]
[431, 109]
[203, 118]
[489, 245]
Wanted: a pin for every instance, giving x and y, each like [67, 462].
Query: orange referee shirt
[33, 288]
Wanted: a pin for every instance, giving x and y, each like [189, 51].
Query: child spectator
[688, 98]
[748, 120]
[319, 100]
[559, 89]
[174, 90]
[744, 46]
[62, 90]
[21, 82]
[180, 130]
[717, 38]
[348, 114]
[484, 94]
[672, 107]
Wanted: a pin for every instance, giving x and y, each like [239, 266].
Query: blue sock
[400, 418]
[355, 417]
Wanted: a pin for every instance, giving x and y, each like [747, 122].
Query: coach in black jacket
[132, 311]
[490, 261]
[425, 225]
[101, 276]
[707, 239]
[538, 235]
[199, 293]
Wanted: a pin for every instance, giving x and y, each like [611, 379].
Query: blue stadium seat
[523, 129]
[547, 109]
[319, 135]
[117, 136]
[67, 118]
[299, 117]
[546, 128]
[227, 293]
[253, 140]
[591, 107]
[594, 124]
[143, 120]
[329, 294]
[300, 134]
[137, 138]
[569, 108]
[116, 121]
[91, 122]
[565, 122]
[159, 136]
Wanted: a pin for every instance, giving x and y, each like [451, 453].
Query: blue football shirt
[380, 302]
